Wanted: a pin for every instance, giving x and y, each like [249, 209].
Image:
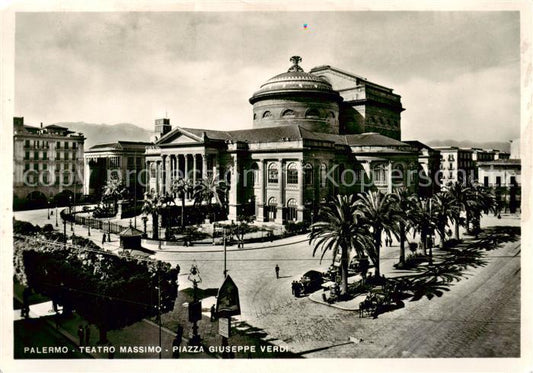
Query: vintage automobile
[311, 281]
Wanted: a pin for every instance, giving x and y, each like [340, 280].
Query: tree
[113, 191]
[422, 220]
[443, 210]
[182, 187]
[459, 193]
[210, 189]
[380, 213]
[404, 204]
[480, 199]
[107, 290]
[153, 206]
[340, 230]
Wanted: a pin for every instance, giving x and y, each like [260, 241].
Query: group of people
[388, 241]
[84, 334]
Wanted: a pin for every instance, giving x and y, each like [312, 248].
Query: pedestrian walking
[213, 311]
[103, 239]
[277, 271]
[178, 268]
[87, 335]
[81, 334]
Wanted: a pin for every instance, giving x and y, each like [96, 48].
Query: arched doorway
[291, 214]
[272, 208]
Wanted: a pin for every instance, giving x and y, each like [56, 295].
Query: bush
[25, 228]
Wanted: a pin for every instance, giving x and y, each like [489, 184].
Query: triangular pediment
[180, 137]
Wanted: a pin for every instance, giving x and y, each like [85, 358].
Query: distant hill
[499, 145]
[106, 133]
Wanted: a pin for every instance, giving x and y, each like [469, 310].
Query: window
[27, 143]
[66, 145]
[74, 145]
[380, 174]
[267, 114]
[45, 166]
[273, 174]
[323, 175]
[66, 155]
[288, 113]
[36, 155]
[308, 174]
[26, 166]
[291, 209]
[36, 166]
[513, 181]
[58, 156]
[45, 155]
[58, 145]
[498, 181]
[486, 181]
[313, 113]
[131, 163]
[27, 155]
[292, 173]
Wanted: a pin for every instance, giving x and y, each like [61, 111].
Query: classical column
[186, 164]
[260, 198]
[281, 202]
[301, 187]
[195, 168]
[204, 166]
[86, 176]
[389, 177]
[215, 165]
[157, 176]
[233, 199]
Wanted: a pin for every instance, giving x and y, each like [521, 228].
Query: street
[478, 317]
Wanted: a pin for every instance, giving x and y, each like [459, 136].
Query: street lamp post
[88, 227]
[48, 208]
[225, 262]
[57, 224]
[195, 307]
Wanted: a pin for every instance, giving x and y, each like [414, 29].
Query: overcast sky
[458, 72]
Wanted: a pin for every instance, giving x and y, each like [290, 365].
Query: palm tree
[443, 210]
[421, 218]
[480, 199]
[459, 193]
[113, 191]
[380, 213]
[340, 230]
[182, 187]
[404, 204]
[153, 206]
[210, 189]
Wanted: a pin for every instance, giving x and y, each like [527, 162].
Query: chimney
[41, 125]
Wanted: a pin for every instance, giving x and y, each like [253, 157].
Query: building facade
[304, 146]
[47, 165]
[124, 160]
[456, 164]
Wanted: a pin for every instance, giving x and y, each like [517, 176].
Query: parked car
[311, 281]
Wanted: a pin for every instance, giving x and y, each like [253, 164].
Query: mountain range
[108, 133]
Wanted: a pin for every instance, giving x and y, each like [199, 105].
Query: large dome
[297, 98]
[295, 82]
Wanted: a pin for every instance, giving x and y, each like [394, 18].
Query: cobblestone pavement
[478, 317]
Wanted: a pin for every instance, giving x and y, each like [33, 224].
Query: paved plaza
[479, 316]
